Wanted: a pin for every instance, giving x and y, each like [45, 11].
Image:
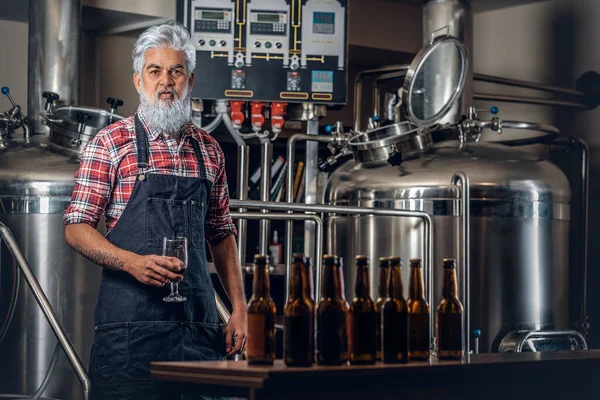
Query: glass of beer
[178, 248]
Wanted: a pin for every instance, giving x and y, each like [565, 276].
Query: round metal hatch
[434, 81]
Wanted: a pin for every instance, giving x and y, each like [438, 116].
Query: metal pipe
[299, 217]
[529, 100]
[266, 154]
[463, 179]
[242, 188]
[358, 87]
[527, 85]
[382, 78]
[54, 55]
[585, 173]
[321, 208]
[311, 169]
[47, 309]
[291, 152]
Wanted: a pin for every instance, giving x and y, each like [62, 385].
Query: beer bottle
[381, 296]
[332, 315]
[298, 317]
[418, 314]
[361, 338]
[261, 316]
[309, 296]
[395, 317]
[449, 316]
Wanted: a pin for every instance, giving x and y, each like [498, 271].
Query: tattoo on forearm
[101, 258]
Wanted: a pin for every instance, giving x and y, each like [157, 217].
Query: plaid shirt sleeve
[218, 223]
[93, 185]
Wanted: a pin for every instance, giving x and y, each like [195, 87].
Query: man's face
[165, 77]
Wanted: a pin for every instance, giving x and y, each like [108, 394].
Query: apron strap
[141, 144]
[201, 165]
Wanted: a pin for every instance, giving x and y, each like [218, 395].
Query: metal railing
[47, 309]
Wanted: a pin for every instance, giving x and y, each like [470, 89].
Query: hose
[49, 372]
[13, 301]
[213, 124]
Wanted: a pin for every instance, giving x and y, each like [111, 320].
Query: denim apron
[133, 326]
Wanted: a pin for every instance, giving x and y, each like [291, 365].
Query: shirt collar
[187, 129]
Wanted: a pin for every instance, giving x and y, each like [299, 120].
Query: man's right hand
[155, 270]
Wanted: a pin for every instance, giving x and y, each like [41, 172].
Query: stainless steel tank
[519, 230]
[36, 181]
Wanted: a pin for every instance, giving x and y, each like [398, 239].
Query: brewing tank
[36, 181]
[519, 228]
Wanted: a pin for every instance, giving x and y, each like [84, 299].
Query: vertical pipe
[458, 16]
[310, 189]
[466, 256]
[266, 154]
[585, 173]
[242, 185]
[54, 55]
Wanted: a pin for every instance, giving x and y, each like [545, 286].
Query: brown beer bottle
[395, 317]
[418, 314]
[332, 315]
[298, 317]
[261, 316]
[309, 296]
[381, 296]
[361, 339]
[449, 316]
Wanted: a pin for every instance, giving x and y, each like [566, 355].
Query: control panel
[269, 50]
[211, 25]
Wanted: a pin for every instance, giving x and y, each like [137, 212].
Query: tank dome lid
[434, 80]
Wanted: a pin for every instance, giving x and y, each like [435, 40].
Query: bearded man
[156, 175]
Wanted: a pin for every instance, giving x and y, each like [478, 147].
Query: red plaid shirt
[108, 171]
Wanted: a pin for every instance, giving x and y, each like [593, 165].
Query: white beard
[166, 116]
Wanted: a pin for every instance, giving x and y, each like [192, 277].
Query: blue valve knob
[376, 118]
[494, 110]
[476, 333]
[5, 90]
[328, 128]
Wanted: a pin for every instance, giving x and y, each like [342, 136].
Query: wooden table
[532, 376]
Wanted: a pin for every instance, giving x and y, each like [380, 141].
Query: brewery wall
[551, 42]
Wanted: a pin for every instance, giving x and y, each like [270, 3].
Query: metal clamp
[433, 34]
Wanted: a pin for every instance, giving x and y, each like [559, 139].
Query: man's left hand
[235, 339]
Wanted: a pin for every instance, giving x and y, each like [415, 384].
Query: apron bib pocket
[165, 218]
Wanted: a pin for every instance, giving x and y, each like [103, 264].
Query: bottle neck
[296, 282]
[307, 285]
[383, 283]
[395, 283]
[261, 283]
[331, 286]
[450, 288]
[416, 286]
[361, 287]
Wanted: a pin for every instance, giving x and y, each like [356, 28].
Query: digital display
[273, 18]
[214, 15]
[324, 18]
[324, 23]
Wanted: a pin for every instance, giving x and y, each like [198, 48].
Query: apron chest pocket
[165, 218]
[197, 224]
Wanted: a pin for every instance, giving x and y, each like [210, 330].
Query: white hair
[172, 35]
